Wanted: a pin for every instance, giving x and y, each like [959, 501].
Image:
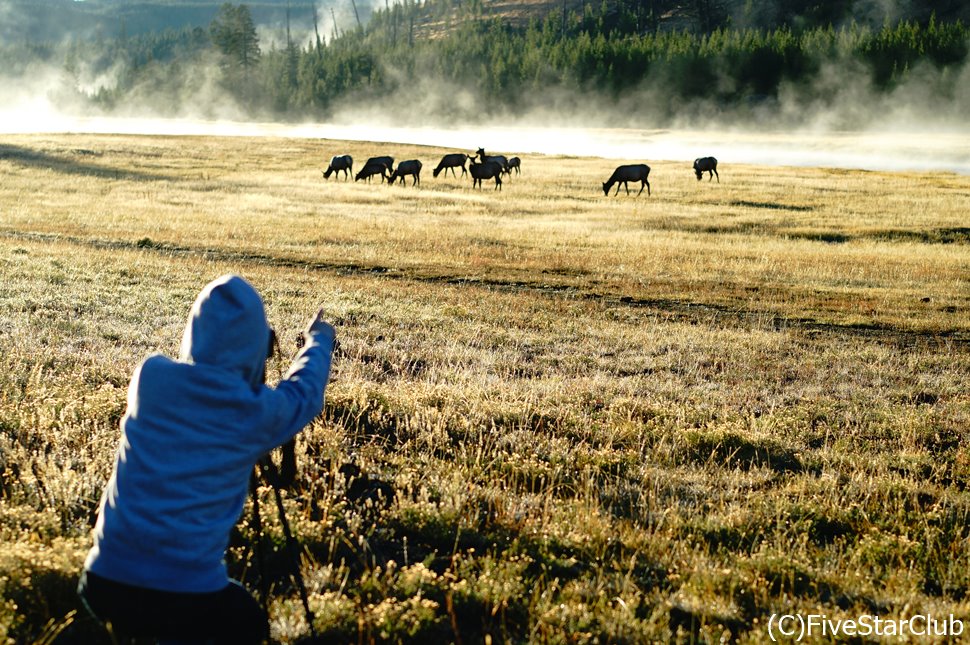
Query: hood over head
[227, 328]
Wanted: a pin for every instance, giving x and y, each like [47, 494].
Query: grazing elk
[341, 162]
[411, 167]
[387, 162]
[452, 161]
[708, 165]
[501, 160]
[371, 169]
[516, 163]
[624, 174]
[486, 170]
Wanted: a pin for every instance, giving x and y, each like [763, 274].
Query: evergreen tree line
[608, 51]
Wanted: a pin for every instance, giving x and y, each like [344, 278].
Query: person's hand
[318, 325]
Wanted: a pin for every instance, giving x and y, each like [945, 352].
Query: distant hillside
[650, 61]
[698, 15]
[54, 20]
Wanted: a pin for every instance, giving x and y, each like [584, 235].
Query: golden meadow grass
[604, 419]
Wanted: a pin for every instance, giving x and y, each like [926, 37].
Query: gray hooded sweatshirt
[193, 431]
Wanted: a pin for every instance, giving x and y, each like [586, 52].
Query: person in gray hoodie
[192, 434]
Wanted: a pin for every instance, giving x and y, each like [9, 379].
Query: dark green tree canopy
[234, 34]
[662, 55]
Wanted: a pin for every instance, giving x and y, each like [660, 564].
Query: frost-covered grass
[597, 419]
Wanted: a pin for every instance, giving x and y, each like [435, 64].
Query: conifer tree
[234, 33]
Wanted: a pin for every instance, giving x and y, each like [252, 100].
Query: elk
[516, 163]
[338, 163]
[371, 169]
[708, 165]
[452, 161]
[499, 159]
[387, 162]
[486, 170]
[624, 174]
[411, 167]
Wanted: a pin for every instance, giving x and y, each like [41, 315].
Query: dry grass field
[601, 419]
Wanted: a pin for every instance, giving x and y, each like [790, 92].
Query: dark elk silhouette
[501, 160]
[486, 170]
[376, 166]
[341, 162]
[516, 163]
[411, 167]
[624, 174]
[708, 165]
[387, 162]
[371, 169]
[452, 161]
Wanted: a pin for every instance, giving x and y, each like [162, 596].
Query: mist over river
[931, 150]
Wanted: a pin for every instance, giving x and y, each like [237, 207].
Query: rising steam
[838, 120]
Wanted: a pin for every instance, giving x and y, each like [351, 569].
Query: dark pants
[231, 615]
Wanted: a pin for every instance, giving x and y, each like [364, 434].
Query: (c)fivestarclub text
[799, 627]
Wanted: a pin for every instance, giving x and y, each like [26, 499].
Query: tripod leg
[257, 525]
[294, 550]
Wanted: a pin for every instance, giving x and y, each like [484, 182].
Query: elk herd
[482, 166]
